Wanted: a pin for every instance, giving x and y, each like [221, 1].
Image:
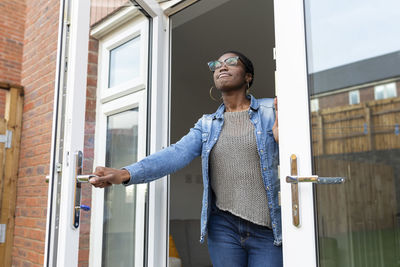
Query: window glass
[355, 43]
[385, 91]
[354, 97]
[124, 62]
[314, 104]
[119, 201]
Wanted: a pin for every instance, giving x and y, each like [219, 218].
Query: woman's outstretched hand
[275, 128]
[109, 176]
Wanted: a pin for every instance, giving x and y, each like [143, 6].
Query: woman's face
[229, 78]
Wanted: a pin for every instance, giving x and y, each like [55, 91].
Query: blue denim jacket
[200, 140]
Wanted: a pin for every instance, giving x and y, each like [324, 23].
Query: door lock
[78, 180]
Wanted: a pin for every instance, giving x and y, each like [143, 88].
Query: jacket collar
[254, 105]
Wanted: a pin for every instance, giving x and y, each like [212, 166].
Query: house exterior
[115, 79]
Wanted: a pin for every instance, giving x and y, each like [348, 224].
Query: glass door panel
[353, 60]
[119, 202]
[119, 31]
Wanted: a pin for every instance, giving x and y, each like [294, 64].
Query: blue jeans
[236, 242]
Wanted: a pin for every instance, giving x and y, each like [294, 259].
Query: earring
[248, 89]
[212, 87]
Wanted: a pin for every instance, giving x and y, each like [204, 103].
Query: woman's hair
[246, 62]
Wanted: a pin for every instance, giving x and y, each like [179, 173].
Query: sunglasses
[216, 64]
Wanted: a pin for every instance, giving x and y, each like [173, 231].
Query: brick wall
[342, 99]
[37, 77]
[90, 123]
[102, 8]
[12, 17]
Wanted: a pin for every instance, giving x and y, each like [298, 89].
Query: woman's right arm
[154, 166]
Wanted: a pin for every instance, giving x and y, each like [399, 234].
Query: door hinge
[2, 233]
[6, 139]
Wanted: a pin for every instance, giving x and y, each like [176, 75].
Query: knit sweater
[235, 170]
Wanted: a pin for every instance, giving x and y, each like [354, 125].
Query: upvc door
[117, 234]
[338, 83]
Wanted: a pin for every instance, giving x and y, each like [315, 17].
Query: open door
[338, 86]
[130, 86]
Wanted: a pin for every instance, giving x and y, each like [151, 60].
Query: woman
[239, 150]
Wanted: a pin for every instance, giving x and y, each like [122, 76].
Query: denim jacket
[200, 140]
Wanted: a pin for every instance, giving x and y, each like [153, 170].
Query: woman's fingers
[108, 176]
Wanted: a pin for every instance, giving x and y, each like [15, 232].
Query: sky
[345, 31]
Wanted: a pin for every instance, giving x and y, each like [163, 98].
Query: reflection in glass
[119, 201]
[353, 52]
[124, 62]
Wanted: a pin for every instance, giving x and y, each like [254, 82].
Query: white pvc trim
[137, 99]
[68, 242]
[294, 130]
[114, 21]
[51, 200]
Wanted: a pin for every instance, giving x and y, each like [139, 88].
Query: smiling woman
[234, 143]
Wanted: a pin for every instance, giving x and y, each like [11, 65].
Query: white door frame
[73, 138]
[299, 243]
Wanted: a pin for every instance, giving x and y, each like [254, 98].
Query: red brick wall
[102, 8]
[90, 123]
[12, 17]
[342, 99]
[334, 100]
[37, 77]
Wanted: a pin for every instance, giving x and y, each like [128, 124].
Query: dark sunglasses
[216, 64]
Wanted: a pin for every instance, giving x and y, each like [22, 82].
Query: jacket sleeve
[169, 159]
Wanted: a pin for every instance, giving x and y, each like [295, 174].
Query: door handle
[294, 181]
[314, 179]
[79, 179]
[84, 178]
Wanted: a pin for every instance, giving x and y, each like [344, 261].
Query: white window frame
[136, 27]
[357, 94]
[137, 99]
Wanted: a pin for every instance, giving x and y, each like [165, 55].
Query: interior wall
[198, 36]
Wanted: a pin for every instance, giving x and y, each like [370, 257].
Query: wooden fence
[10, 136]
[362, 143]
[357, 128]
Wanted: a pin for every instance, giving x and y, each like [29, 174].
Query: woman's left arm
[275, 128]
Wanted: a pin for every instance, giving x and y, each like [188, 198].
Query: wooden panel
[357, 128]
[365, 202]
[3, 127]
[13, 116]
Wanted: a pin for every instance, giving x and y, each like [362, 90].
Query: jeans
[236, 242]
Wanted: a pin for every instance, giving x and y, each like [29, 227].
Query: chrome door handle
[84, 178]
[294, 181]
[314, 179]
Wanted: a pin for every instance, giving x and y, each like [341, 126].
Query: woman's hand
[109, 176]
[275, 128]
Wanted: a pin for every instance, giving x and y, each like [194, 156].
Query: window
[384, 91]
[123, 60]
[354, 97]
[314, 105]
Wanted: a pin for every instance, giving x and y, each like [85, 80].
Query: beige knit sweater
[235, 170]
